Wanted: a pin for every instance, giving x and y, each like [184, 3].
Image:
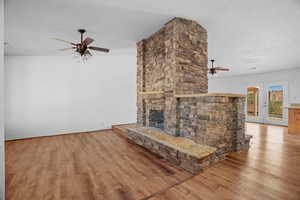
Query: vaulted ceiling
[243, 35]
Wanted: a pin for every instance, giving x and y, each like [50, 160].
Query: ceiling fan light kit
[82, 48]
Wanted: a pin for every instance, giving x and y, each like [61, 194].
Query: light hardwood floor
[103, 165]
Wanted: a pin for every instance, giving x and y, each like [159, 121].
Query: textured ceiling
[261, 34]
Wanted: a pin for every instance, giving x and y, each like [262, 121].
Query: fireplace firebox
[156, 119]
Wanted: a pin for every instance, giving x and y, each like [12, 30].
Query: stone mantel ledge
[151, 92]
[152, 95]
[210, 95]
[293, 107]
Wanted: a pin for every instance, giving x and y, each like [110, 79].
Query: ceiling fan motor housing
[82, 31]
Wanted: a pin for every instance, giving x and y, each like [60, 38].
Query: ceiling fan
[213, 70]
[83, 47]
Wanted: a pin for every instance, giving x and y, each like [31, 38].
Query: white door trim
[258, 119]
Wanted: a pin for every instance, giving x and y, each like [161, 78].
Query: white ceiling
[264, 34]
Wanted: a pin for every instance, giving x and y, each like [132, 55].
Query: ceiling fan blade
[88, 41]
[99, 49]
[65, 49]
[64, 41]
[222, 69]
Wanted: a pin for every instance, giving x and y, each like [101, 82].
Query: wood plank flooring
[270, 170]
[103, 165]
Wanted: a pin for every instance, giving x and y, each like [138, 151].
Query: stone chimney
[171, 61]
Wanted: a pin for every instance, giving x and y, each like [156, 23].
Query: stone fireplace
[174, 110]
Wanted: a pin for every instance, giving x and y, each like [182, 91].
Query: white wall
[48, 95]
[238, 84]
[2, 159]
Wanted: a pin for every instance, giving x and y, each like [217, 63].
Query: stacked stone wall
[190, 57]
[154, 57]
[215, 121]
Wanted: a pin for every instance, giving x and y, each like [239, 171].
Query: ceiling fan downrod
[81, 31]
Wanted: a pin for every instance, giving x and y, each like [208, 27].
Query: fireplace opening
[156, 119]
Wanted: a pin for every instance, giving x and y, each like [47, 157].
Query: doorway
[267, 102]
